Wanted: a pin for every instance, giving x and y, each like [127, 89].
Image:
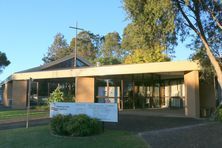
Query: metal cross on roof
[75, 50]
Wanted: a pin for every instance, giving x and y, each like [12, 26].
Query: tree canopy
[152, 32]
[94, 48]
[58, 49]
[111, 51]
[163, 22]
[87, 45]
[111, 45]
[203, 19]
[3, 61]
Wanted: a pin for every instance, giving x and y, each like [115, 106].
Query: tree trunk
[202, 36]
[200, 33]
[213, 61]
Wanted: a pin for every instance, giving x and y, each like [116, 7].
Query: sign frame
[106, 112]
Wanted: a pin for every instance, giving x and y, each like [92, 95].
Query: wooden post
[107, 85]
[143, 93]
[76, 85]
[122, 94]
[48, 89]
[133, 92]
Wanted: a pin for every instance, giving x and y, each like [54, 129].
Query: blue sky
[28, 27]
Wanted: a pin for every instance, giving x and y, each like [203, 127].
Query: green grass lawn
[38, 137]
[20, 114]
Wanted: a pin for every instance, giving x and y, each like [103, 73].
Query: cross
[75, 50]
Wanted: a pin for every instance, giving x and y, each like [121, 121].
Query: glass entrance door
[108, 91]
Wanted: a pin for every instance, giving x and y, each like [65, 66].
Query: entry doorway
[108, 91]
[140, 91]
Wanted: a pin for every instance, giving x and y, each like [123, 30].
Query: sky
[28, 27]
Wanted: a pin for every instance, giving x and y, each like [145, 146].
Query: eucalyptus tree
[202, 19]
[151, 35]
[162, 23]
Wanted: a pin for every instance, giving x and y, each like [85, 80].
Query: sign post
[28, 103]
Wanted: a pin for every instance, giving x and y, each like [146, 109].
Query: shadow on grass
[40, 137]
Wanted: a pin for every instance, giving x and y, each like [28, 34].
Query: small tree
[56, 96]
[3, 61]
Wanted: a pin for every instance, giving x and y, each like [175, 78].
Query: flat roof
[122, 69]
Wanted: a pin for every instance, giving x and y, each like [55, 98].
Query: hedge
[75, 125]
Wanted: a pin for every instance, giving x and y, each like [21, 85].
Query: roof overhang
[158, 67]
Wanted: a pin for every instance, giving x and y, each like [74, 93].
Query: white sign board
[107, 112]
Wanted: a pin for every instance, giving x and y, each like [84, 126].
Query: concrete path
[163, 130]
[141, 121]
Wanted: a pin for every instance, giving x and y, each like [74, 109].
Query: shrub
[41, 108]
[58, 124]
[69, 98]
[77, 125]
[56, 96]
[219, 115]
[96, 126]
